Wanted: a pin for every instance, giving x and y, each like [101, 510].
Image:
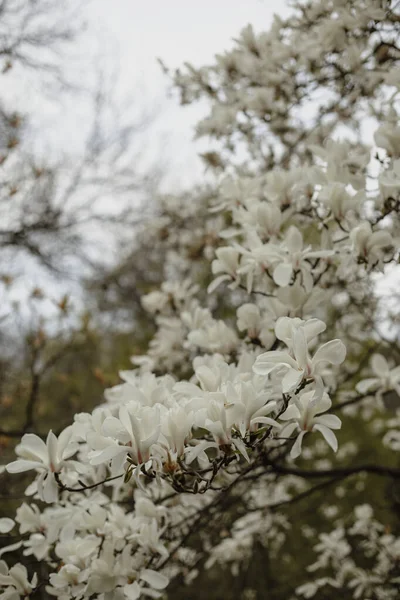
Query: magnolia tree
[237, 415]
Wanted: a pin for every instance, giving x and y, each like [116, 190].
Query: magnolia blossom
[16, 579]
[385, 379]
[300, 366]
[368, 244]
[304, 415]
[49, 458]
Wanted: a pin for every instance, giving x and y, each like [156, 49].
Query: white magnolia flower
[304, 415]
[132, 434]
[49, 458]
[300, 366]
[16, 578]
[368, 244]
[385, 379]
[227, 262]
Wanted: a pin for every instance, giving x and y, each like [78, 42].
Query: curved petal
[313, 327]
[284, 328]
[367, 385]
[6, 525]
[296, 448]
[267, 361]
[32, 447]
[19, 466]
[158, 581]
[329, 436]
[107, 454]
[331, 421]
[265, 420]
[112, 427]
[379, 365]
[333, 352]
[287, 430]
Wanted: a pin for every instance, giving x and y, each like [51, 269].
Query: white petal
[329, 436]
[379, 365]
[294, 239]
[292, 412]
[52, 445]
[217, 281]
[6, 525]
[300, 348]
[292, 380]
[112, 427]
[107, 454]
[132, 591]
[367, 385]
[331, 421]
[34, 446]
[283, 274]
[333, 352]
[287, 430]
[313, 327]
[19, 466]
[158, 581]
[296, 448]
[268, 360]
[241, 447]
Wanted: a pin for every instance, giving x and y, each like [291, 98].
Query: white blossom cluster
[239, 387]
[340, 549]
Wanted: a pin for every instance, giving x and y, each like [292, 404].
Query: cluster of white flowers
[340, 550]
[231, 384]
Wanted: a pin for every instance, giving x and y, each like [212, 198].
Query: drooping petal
[329, 436]
[19, 466]
[241, 447]
[158, 581]
[296, 448]
[217, 282]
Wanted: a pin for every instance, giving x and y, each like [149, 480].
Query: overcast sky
[127, 37]
[175, 31]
